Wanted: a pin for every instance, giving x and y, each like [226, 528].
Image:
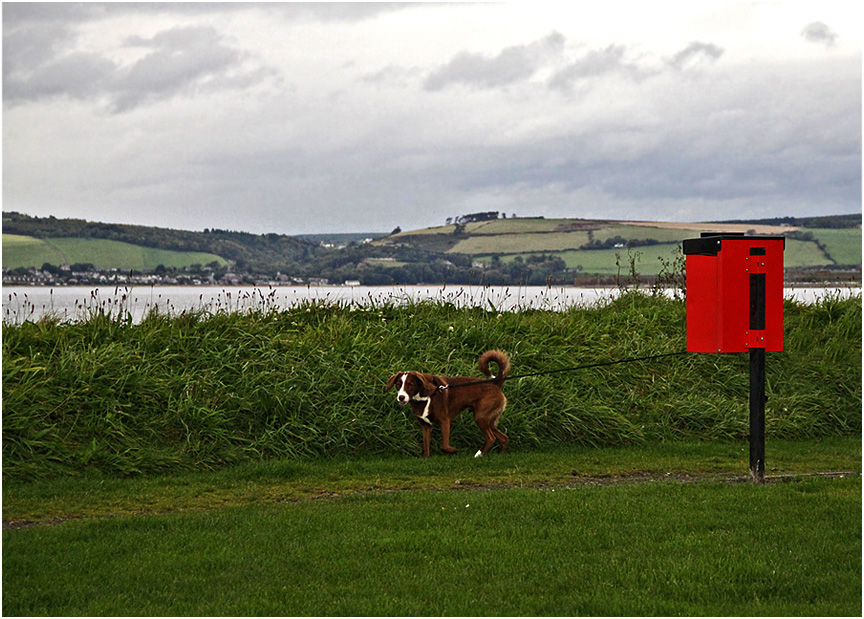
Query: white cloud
[817, 32]
[696, 53]
[303, 118]
[177, 61]
[512, 64]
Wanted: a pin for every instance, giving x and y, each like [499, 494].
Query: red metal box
[734, 293]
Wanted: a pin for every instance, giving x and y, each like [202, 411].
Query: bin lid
[710, 243]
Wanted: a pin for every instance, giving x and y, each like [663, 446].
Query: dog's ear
[429, 384]
[391, 382]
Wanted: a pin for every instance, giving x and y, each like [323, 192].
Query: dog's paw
[479, 453]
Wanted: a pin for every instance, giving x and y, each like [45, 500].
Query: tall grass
[205, 389]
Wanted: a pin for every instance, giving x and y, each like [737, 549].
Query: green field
[637, 531]
[520, 243]
[844, 245]
[615, 261]
[650, 259]
[509, 238]
[24, 251]
[511, 226]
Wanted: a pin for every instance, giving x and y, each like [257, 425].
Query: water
[22, 303]
[75, 302]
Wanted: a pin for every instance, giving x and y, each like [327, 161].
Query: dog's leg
[502, 438]
[445, 437]
[427, 436]
[490, 440]
[487, 420]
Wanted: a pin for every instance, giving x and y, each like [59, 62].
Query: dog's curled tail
[500, 358]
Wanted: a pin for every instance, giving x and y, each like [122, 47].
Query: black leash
[573, 369]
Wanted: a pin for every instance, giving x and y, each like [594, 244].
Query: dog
[440, 398]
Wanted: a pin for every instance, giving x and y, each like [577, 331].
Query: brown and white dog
[441, 398]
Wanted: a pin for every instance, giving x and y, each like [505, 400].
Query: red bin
[734, 293]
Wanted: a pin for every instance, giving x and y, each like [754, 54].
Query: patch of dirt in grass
[575, 480]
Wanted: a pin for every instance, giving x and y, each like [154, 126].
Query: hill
[28, 251]
[480, 248]
[598, 247]
[340, 239]
[242, 249]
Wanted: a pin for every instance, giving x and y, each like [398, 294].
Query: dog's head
[411, 385]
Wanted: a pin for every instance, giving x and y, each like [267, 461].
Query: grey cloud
[694, 54]
[721, 144]
[595, 63]
[392, 75]
[665, 175]
[512, 65]
[612, 60]
[71, 12]
[177, 38]
[17, 13]
[37, 63]
[773, 177]
[78, 75]
[817, 32]
[753, 139]
[338, 11]
[180, 61]
[33, 45]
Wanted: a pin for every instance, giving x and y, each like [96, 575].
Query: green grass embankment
[205, 390]
[249, 541]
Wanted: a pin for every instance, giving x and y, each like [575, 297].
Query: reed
[216, 386]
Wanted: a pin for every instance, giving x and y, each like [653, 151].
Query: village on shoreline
[87, 275]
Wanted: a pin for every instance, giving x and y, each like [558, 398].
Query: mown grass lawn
[509, 535]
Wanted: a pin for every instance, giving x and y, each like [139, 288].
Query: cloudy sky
[306, 118]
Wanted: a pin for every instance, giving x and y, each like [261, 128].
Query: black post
[757, 414]
[757, 375]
